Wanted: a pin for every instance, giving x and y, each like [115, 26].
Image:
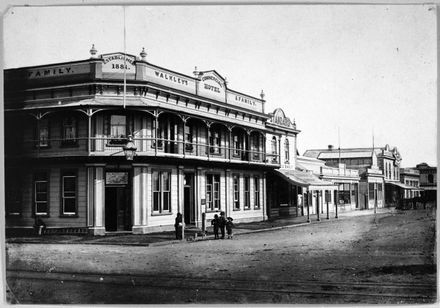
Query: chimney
[330, 147]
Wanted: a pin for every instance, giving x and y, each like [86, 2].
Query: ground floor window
[256, 192]
[213, 192]
[68, 194]
[247, 192]
[161, 192]
[236, 179]
[344, 193]
[41, 194]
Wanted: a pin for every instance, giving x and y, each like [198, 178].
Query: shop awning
[305, 179]
[404, 186]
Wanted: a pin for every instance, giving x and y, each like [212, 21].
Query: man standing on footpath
[222, 224]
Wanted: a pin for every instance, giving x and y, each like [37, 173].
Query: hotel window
[213, 192]
[41, 194]
[68, 194]
[237, 144]
[256, 192]
[118, 126]
[236, 179]
[215, 141]
[161, 192]
[256, 146]
[247, 192]
[189, 135]
[273, 145]
[286, 151]
[116, 129]
[42, 133]
[69, 130]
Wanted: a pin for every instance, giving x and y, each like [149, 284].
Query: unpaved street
[387, 259]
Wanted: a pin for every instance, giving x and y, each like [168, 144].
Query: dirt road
[385, 259]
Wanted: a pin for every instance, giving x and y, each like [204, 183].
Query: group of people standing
[221, 223]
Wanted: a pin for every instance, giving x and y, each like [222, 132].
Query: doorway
[117, 202]
[188, 199]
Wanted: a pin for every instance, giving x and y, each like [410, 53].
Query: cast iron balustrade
[146, 146]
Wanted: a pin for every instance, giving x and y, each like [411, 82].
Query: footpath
[191, 234]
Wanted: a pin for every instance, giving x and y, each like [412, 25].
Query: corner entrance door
[117, 209]
[188, 198]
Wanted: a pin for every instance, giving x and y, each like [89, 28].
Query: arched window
[286, 151]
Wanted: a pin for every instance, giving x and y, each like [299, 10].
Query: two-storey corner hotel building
[115, 143]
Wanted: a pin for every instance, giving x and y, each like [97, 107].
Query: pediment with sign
[212, 84]
[278, 117]
[118, 62]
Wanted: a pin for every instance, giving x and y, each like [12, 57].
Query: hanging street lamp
[129, 149]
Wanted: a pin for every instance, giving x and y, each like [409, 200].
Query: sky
[362, 70]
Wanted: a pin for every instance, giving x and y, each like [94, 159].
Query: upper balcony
[155, 134]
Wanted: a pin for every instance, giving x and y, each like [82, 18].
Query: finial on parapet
[143, 54]
[196, 72]
[93, 51]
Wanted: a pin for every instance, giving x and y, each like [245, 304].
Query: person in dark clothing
[222, 224]
[39, 226]
[229, 226]
[178, 225]
[215, 224]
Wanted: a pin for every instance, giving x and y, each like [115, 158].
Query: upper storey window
[117, 129]
[273, 145]
[256, 145]
[215, 141]
[286, 151]
[118, 125]
[237, 144]
[42, 133]
[189, 136]
[69, 130]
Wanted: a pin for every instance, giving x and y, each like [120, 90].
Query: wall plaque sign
[116, 178]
